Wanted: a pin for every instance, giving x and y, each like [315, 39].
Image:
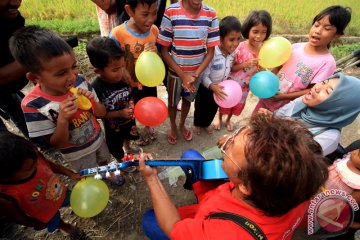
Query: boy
[136, 35]
[51, 113]
[114, 92]
[217, 71]
[30, 192]
[192, 29]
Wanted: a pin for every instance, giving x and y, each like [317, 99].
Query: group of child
[199, 54]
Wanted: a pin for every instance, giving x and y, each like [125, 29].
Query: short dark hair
[133, 3]
[339, 17]
[32, 46]
[257, 17]
[229, 24]
[102, 50]
[285, 165]
[14, 150]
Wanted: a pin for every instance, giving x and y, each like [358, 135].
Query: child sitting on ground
[52, 113]
[115, 93]
[31, 194]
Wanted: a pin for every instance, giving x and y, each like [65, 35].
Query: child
[256, 29]
[114, 92]
[136, 35]
[310, 62]
[344, 174]
[31, 192]
[51, 112]
[217, 70]
[198, 24]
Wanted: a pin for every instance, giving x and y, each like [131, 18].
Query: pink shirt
[301, 70]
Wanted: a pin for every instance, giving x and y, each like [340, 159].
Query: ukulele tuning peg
[98, 176]
[117, 172]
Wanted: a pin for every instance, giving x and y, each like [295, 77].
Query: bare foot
[196, 130]
[229, 126]
[217, 126]
[209, 129]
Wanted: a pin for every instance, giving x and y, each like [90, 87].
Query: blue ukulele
[195, 169]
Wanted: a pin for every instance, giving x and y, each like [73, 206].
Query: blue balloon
[191, 154]
[264, 84]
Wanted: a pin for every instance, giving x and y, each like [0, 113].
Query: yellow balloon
[150, 69]
[82, 102]
[89, 197]
[275, 52]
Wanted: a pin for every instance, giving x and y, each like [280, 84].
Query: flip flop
[186, 133]
[171, 139]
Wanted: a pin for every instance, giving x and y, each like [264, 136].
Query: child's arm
[126, 113]
[56, 168]
[208, 57]
[13, 213]
[249, 64]
[99, 108]
[61, 134]
[292, 95]
[186, 78]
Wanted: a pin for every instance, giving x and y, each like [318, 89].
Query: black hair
[14, 150]
[32, 46]
[102, 51]
[339, 17]
[229, 24]
[257, 17]
[134, 3]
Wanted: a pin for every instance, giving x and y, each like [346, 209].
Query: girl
[329, 106]
[217, 70]
[310, 62]
[256, 29]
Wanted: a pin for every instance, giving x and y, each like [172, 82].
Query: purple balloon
[233, 91]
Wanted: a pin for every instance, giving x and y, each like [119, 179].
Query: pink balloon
[233, 91]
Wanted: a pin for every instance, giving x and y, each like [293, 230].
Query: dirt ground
[122, 217]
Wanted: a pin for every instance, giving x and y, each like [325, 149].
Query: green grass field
[289, 16]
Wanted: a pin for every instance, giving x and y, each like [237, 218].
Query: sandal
[171, 139]
[186, 133]
[142, 141]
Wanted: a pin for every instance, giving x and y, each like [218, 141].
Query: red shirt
[41, 196]
[199, 227]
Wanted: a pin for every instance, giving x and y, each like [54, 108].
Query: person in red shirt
[31, 194]
[274, 167]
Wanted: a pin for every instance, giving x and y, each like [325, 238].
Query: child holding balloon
[111, 86]
[136, 35]
[256, 29]
[31, 194]
[310, 62]
[217, 70]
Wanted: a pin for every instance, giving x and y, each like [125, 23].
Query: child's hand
[90, 95]
[150, 47]
[67, 108]
[277, 97]
[127, 113]
[251, 63]
[188, 82]
[265, 111]
[218, 90]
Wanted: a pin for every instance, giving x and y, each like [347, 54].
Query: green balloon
[89, 197]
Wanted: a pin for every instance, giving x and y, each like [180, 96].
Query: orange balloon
[150, 111]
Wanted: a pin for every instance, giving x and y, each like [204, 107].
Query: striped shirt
[189, 35]
[41, 111]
